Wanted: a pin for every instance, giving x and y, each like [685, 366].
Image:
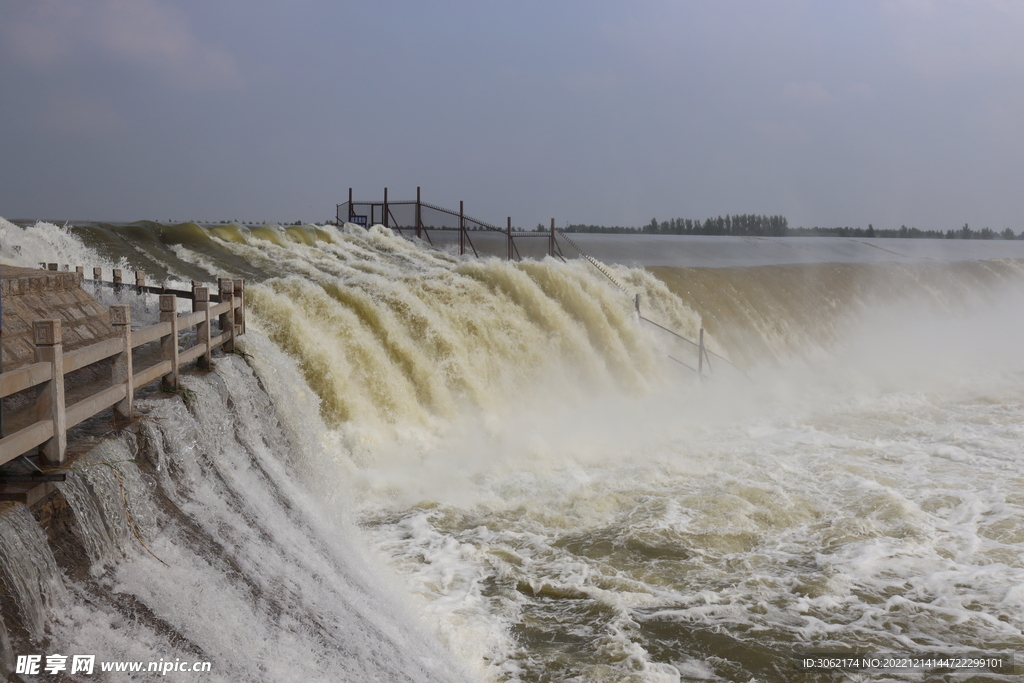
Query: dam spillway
[499, 453]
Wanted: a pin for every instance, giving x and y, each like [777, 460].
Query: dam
[433, 467]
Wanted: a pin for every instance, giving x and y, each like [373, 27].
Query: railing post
[80, 270]
[117, 277]
[638, 304]
[140, 280]
[508, 245]
[97, 273]
[227, 319]
[239, 326]
[169, 343]
[51, 266]
[50, 394]
[202, 303]
[551, 240]
[121, 317]
[700, 355]
[462, 228]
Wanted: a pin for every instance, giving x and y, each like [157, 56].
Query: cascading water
[29, 571]
[558, 500]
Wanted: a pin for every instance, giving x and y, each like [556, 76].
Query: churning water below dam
[435, 468]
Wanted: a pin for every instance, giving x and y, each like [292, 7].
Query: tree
[1008, 234]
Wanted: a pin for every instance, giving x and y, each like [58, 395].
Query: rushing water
[556, 498]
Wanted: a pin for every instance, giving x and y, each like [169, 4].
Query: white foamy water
[559, 501]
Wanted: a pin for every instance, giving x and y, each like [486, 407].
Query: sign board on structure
[358, 220]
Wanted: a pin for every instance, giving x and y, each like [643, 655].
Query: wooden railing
[54, 418]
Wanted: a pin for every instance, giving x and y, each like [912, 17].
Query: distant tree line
[778, 226]
[964, 233]
[745, 224]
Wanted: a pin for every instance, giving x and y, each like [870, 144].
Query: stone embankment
[30, 295]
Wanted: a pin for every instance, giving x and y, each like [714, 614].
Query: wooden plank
[220, 308]
[218, 340]
[24, 377]
[190, 319]
[193, 353]
[79, 358]
[169, 342]
[148, 288]
[149, 334]
[152, 373]
[24, 440]
[28, 493]
[88, 407]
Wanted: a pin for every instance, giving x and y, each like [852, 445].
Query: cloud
[783, 133]
[146, 34]
[941, 38]
[80, 114]
[808, 92]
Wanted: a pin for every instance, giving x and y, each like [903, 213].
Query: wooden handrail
[56, 417]
[23, 378]
[87, 355]
[149, 334]
[24, 439]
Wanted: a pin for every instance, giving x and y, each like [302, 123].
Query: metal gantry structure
[421, 218]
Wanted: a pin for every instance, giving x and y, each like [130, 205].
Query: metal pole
[551, 240]
[419, 216]
[349, 206]
[700, 355]
[385, 207]
[508, 231]
[462, 229]
[638, 304]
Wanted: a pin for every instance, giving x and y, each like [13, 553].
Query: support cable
[593, 261]
[601, 268]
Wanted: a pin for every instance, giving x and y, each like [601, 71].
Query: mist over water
[561, 501]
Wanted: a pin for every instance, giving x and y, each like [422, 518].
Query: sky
[883, 112]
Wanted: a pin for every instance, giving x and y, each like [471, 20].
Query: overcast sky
[830, 113]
